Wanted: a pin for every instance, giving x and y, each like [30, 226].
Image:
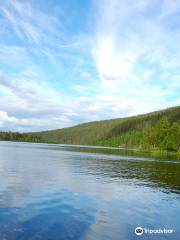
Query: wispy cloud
[134, 48]
[61, 65]
[30, 23]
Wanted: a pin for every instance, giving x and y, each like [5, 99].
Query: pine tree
[162, 133]
[173, 140]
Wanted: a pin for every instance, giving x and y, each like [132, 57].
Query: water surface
[59, 192]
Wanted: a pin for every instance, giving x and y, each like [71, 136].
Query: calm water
[63, 192]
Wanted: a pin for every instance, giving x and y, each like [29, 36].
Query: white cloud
[14, 56]
[30, 23]
[29, 107]
[128, 64]
[133, 47]
[86, 75]
[113, 62]
[4, 119]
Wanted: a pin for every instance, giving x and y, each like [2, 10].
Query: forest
[158, 130]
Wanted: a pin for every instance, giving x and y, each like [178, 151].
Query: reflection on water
[64, 192]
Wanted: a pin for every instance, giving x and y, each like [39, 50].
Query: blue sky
[68, 62]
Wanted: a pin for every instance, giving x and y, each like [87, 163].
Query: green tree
[150, 137]
[173, 139]
[162, 132]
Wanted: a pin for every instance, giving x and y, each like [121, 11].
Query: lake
[55, 192]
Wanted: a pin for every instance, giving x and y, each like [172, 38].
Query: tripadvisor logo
[138, 231]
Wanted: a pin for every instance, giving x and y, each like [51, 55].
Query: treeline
[10, 136]
[164, 135]
[16, 136]
[158, 130]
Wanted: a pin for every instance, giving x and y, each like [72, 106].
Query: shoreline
[140, 151]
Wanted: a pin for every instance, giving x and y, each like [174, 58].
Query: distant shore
[114, 149]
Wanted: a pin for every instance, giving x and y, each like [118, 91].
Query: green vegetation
[156, 131]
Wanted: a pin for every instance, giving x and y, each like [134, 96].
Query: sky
[67, 62]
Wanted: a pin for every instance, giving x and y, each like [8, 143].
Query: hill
[137, 131]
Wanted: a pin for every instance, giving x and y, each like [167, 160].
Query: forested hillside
[156, 130]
